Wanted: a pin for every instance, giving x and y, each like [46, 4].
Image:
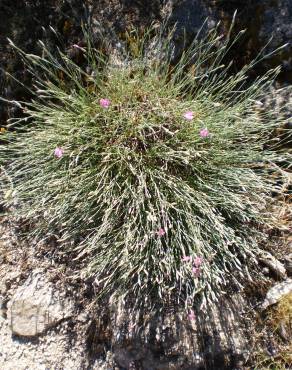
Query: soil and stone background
[48, 316]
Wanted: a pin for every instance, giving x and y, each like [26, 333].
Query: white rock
[277, 292]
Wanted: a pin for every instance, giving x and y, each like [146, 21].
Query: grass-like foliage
[160, 173]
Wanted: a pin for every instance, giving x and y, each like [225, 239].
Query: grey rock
[275, 265]
[215, 335]
[275, 294]
[3, 287]
[288, 264]
[189, 17]
[36, 306]
[282, 330]
[262, 20]
[2, 309]
[9, 278]
[266, 271]
[276, 21]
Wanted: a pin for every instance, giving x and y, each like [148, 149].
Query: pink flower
[198, 261]
[58, 152]
[186, 258]
[161, 232]
[196, 271]
[191, 315]
[189, 115]
[204, 132]
[104, 103]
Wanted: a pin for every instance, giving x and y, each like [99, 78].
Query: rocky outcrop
[267, 24]
[26, 22]
[275, 21]
[212, 338]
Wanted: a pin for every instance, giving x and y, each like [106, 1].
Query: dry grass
[278, 332]
[281, 314]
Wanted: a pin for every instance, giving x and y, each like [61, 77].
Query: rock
[3, 287]
[275, 17]
[282, 331]
[83, 317]
[267, 24]
[36, 306]
[288, 264]
[8, 279]
[214, 337]
[276, 293]
[260, 18]
[2, 308]
[28, 21]
[276, 266]
[266, 271]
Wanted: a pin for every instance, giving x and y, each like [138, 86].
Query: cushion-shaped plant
[160, 173]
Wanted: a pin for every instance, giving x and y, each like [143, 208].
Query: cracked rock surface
[37, 305]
